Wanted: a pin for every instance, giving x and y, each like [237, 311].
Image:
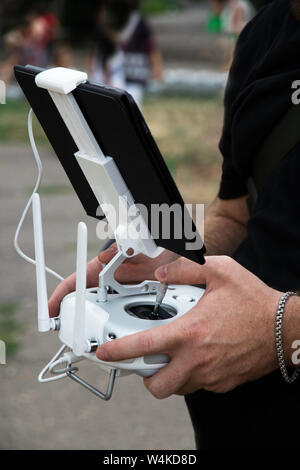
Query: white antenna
[41, 284]
[79, 345]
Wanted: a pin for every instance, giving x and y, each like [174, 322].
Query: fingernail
[101, 354]
[112, 248]
[162, 272]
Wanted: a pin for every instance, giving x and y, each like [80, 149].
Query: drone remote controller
[90, 317]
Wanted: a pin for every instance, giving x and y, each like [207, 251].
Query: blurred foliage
[161, 6]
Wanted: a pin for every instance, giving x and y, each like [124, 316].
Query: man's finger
[64, 288]
[182, 271]
[154, 341]
[107, 255]
[168, 380]
[69, 285]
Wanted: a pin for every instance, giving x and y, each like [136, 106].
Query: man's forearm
[225, 229]
[225, 226]
[222, 235]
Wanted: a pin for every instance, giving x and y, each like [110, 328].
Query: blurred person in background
[50, 27]
[128, 55]
[214, 20]
[107, 60]
[34, 42]
[36, 47]
[143, 60]
[235, 15]
[30, 43]
[229, 16]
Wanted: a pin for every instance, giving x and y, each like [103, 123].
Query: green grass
[51, 189]
[13, 123]
[152, 7]
[186, 128]
[9, 327]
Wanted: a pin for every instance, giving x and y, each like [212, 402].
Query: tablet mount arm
[108, 282]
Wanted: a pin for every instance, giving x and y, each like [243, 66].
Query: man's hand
[139, 268]
[135, 269]
[224, 341]
[69, 284]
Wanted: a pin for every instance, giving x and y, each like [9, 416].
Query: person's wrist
[290, 327]
[272, 301]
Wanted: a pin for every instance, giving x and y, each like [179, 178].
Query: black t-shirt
[259, 91]
[265, 413]
[137, 49]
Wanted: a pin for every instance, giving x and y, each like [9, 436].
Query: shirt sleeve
[232, 184]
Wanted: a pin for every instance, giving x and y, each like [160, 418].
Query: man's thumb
[182, 271]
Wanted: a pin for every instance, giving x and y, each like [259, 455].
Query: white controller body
[107, 320]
